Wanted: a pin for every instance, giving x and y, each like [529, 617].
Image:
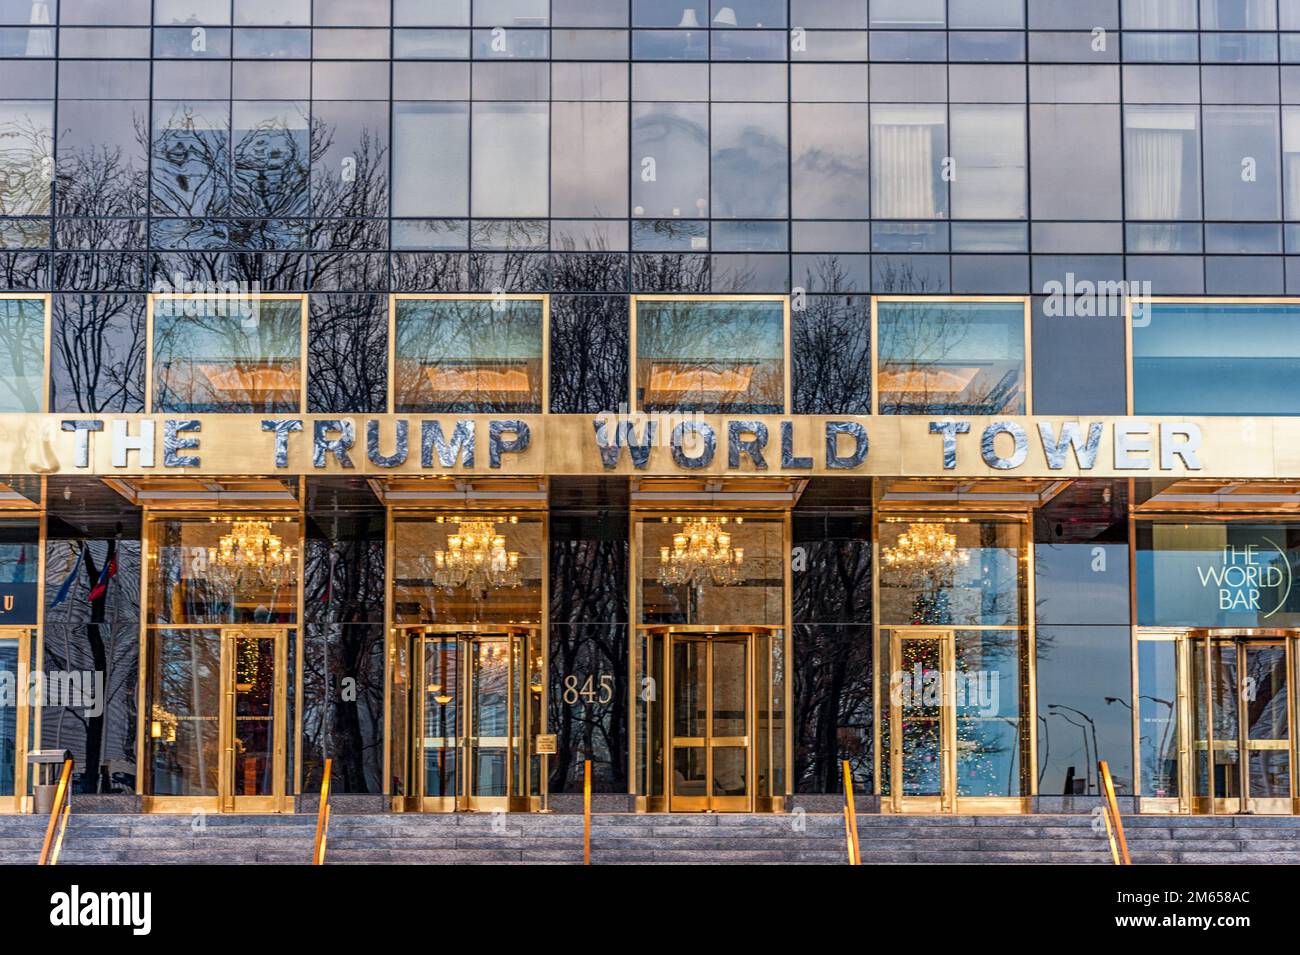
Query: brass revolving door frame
[524, 665]
[1201, 642]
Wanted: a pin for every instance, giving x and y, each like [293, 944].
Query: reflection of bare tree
[832, 671]
[102, 636]
[671, 272]
[589, 353]
[469, 356]
[190, 153]
[344, 641]
[831, 345]
[926, 363]
[22, 324]
[589, 730]
[710, 357]
[26, 170]
[98, 341]
[348, 349]
[923, 345]
[98, 344]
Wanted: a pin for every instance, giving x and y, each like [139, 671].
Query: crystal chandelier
[925, 547]
[251, 556]
[476, 557]
[701, 553]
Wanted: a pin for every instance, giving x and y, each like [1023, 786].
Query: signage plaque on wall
[700, 445]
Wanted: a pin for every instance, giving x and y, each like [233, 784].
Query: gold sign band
[652, 445]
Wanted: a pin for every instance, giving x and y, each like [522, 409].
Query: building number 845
[595, 689]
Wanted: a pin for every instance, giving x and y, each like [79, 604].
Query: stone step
[651, 839]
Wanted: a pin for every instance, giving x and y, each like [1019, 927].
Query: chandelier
[701, 553]
[926, 547]
[251, 556]
[476, 557]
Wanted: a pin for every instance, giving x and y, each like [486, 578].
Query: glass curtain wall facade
[464, 391]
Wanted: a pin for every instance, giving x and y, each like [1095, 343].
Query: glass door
[438, 723]
[922, 722]
[475, 709]
[711, 715]
[252, 729]
[15, 647]
[490, 721]
[216, 720]
[1241, 721]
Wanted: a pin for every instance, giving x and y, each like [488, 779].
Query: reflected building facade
[736, 397]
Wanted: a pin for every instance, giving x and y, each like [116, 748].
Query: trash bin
[47, 766]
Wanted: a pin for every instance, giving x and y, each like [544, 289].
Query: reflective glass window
[421, 574]
[1291, 160]
[270, 159]
[981, 586]
[1159, 15]
[1162, 162]
[510, 145]
[1238, 15]
[750, 160]
[191, 12]
[1232, 574]
[1242, 178]
[712, 356]
[430, 159]
[670, 156]
[830, 160]
[951, 357]
[668, 592]
[511, 13]
[296, 13]
[26, 161]
[589, 175]
[1158, 696]
[472, 355]
[907, 13]
[1216, 359]
[190, 173]
[986, 14]
[992, 738]
[989, 152]
[188, 588]
[227, 354]
[22, 342]
[431, 13]
[908, 147]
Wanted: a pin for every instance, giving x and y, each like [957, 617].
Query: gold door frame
[519, 641]
[225, 799]
[285, 799]
[1204, 640]
[24, 638]
[946, 801]
[652, 645]
[399, 664]
[710, 802]
[884, 655]
[226, 722]
[643, 719]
